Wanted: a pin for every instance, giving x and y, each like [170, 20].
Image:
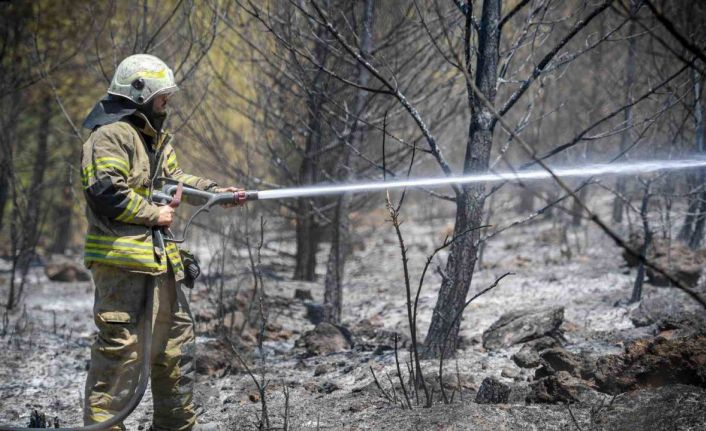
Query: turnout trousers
[116, 354]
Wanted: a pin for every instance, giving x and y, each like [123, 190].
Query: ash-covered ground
[605, 365]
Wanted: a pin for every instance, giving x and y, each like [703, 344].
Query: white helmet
[141, 76]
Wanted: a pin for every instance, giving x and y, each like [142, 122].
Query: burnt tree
[340, 235]
[443, 331]
[307, 234]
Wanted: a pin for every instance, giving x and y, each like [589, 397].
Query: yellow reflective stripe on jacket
[132, 208]
[115, 161]
[122, 252]
[130, 249]
[172, 162]
[117, 240]
[117, 259]
[102, 163]
[144, 192]
[189, 179]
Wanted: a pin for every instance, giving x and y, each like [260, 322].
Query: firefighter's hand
[232, 190]
[166, 216]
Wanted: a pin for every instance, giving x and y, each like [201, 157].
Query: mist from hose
[588, 170]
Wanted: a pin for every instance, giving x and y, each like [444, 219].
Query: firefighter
[124, 154]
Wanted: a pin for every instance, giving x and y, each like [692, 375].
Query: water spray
[589, 170]
[172, 192]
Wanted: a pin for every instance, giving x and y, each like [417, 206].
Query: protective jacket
[120, 162]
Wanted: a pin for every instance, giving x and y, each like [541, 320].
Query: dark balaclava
[156, 119]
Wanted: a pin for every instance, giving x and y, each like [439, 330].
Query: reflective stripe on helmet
[140, 77]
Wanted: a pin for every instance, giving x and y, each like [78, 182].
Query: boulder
[543, 343]
[321, 369]
[560, 387]
[325, 338]
[492, 391]
[523, 325]
[652, 310]
[559, 359]
[372, 336]
[654, 362]
[510, 373]
[527, 357]
[667, 313]
[682, 262]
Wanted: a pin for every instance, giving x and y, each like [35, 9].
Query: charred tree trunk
[340, 236]
[443, 330]
[700, 216]
[26, 227]
[64, 216]
[640, 278]
[5, 167]
[34, 201]
[620, 186]
[307, 230]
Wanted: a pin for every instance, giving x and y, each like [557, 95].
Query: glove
[192, 270]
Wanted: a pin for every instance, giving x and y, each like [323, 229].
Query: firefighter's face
[160, 103]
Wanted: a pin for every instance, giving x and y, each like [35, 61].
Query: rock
[231, 399]
[561, 387]
[356, 406]
[492, 391]
[325, 338]
[683, 263]
[62, 269]
[371, 336]
[321, 369]
[303, 294]
[215, 358]
[521, 326]
[667, 314]
[652, 310]
[654, 362]
[543, 343]
[527, 357]
[329, 386]
[559, 359]
[510, 373]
